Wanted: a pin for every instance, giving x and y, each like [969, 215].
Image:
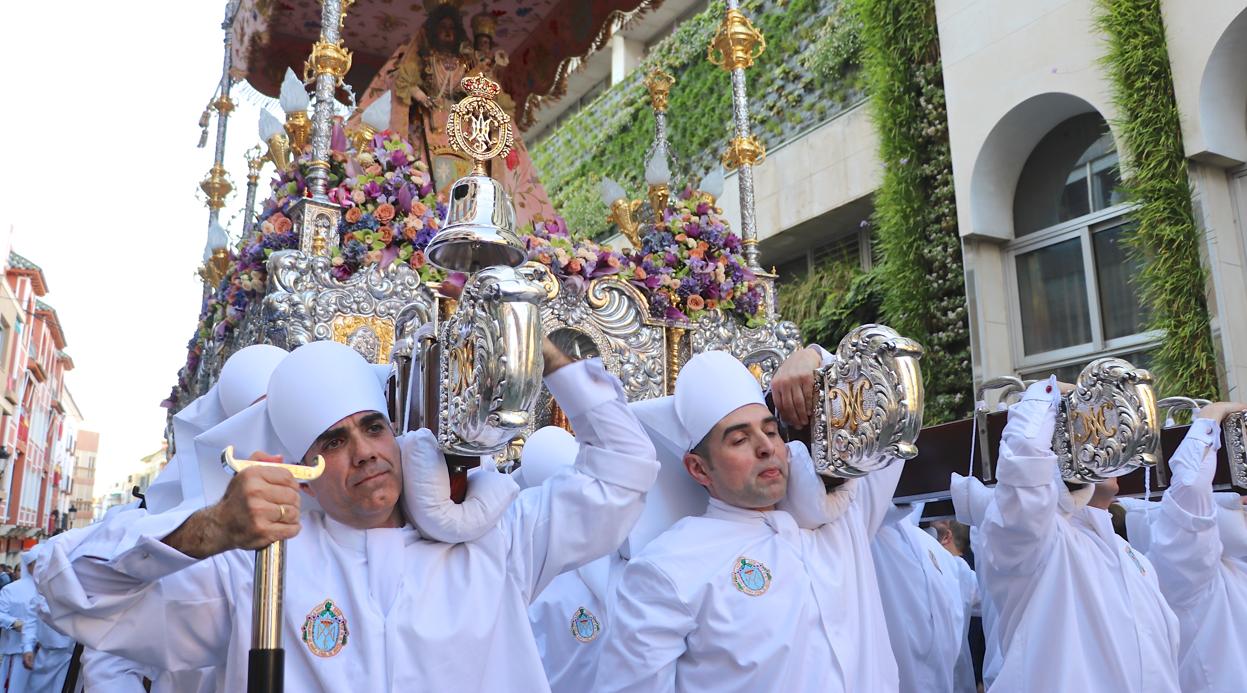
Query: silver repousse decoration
[872, 399]
[1109, 424]
[761, 348]
[305, 303]
[613, 314]
[489, 361]
[1235, 440]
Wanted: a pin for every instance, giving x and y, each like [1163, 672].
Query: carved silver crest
[1109, 424]
[614, 315]
[306, 303]
[1234, 436]
[762, 349]
[872, 398]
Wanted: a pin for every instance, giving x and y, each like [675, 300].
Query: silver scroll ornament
[762, 348]
[1109, 425]
[1234, 435]
[871, 396]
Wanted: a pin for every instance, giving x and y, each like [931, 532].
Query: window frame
[1082, 228]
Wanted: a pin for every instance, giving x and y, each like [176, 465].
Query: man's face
[745, 463]
[363, 474]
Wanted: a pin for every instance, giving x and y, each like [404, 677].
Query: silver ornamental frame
[306, 303]
[765, 346]
[615, 316]
[872, 399]
[1235, 439]
[1109, 425]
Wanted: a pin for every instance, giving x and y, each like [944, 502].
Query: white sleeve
[587, 511]
[1186, 548]
[1021, 522]
[107, 673]
[7, 617]
[647, 633]
[874, 495]
[138, 597]
[30, 634]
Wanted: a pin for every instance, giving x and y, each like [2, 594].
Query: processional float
[469, 367]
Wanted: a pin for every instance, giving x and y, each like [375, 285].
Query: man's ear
[698, 468]
[308, 488]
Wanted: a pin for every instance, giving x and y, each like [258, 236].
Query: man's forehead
[748, 414]
[356, 419]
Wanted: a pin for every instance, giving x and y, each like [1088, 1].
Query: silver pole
[325, 61]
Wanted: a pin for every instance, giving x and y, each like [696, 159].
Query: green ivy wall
[789, 93]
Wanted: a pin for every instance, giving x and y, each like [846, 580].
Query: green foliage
[1172, 278]
[921, 278]
[612, 135]
[830, 301]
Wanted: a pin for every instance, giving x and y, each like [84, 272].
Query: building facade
[39, 428]
[82, 508]
[1032, 126]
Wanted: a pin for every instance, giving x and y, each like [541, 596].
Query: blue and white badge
[324, 630]
[751, 577]
[585, 626]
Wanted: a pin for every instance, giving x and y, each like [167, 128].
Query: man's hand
[17, 625]
[792, 388]
[28, 660]
[260, 507]
[1217, 411]
[553, 356]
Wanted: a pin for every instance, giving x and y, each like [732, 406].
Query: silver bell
[479, 230]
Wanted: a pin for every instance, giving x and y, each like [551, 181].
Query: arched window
[1071, 269]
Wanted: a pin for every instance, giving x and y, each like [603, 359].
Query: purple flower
[404, 199]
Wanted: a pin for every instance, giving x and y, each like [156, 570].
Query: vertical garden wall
[1172, 280]
[610, 136]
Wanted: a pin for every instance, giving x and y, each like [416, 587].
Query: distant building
[38, 419]
[82, 508]
[142, 476]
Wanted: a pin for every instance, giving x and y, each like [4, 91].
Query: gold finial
[742, 151]
[659, 84]
[216, 186]
[255, 161]
[737, 43]
[659, 195]
[213, 271]
[477, 125]
[299, 128]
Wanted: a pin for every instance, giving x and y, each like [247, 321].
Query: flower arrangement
[574, 261]
[389, 210]
[691, 262]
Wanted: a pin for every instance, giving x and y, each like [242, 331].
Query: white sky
[99, 180]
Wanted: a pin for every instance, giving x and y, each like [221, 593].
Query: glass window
[1053, 290]
[1071, 173]
[1122, 313]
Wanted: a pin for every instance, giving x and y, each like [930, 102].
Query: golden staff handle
[267, 660]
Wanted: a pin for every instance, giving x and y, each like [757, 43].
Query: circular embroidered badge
[751, 577]
[324, 630]
[585, 626]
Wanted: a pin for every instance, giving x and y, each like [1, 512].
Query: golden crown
[480, 85]
[484, 23]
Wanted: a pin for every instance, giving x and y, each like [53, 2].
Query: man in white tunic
[244, 379]
[1199, 547]
[46, 653]
[15, 617]
[742, 598]
[926, 611]
[570, 615]
[369, 604]
[970, 501]
[1080, 610]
